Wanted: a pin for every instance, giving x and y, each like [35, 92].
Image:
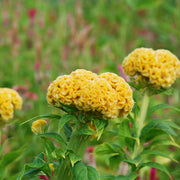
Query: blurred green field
[42, 39]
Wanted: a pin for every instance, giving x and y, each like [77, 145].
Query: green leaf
[45, 116]
[49, 145]
[114, 161]
[106, 148]
[59, 153]
[131, 176]
[125, 133]
[84, 172]
[164, 142]
[68, 108]
[155, 165]
[158, 153]
[86, 130]
[68, 131]
[134, 162]
[55, 136]
[161, 106]
[74, 158]
[2, 148]
[64, 119]
[31, 169]
[147, 4]
[154, 128]
[100, 125]
[10, 157]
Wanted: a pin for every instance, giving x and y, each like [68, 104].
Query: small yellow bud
[38, 126]
[51, 166]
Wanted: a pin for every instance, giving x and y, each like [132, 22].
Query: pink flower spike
[20, 88]
[31, 95]
[90, 149]
[120, 68]
[43, 177]
[130, 125]
[139, 178]
[153, 173]
[32, 13]
[37, 65]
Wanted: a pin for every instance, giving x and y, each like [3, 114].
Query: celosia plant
[161, 67]
[9, 100]
[88, 102]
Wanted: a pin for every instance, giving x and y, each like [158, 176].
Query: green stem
[143, 112]
[77, 144]
[140, 123]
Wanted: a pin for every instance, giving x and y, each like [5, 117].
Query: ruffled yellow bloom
[38, 126]
[9, 100]
[161, 67]
[107, 93]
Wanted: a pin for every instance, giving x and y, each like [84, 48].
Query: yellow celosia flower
[107, 93]
[9, 100]
[161, 67]
[38, 126]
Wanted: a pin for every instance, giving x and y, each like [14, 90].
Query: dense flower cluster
[107, 93]
[38, 126]
[9, 100]
[160, 66]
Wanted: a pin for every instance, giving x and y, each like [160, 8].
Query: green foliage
[64, 119]
[82, 171]
[155, 165]
[100, 126]
[35, 167]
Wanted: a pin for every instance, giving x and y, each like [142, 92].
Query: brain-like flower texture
[161, 67]
[9, 100]
[106, 93]
[38, 126]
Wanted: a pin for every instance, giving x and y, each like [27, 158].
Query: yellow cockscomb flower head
[107, 93]
[9, 100]
[38, 126]
[161, 67]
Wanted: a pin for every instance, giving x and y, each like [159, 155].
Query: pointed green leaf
[155, 165]
[2, 148]
[156, 127]
[10, 157]
[55, 136]
[86, 130]
[158, 153]
[45, 116]
[64, 119]
[74, 158]
[161, 106]
[68, 131]
[100, 125]
[84, 172]
[68, 108]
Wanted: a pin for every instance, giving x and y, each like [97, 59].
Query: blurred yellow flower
[107, 93]
[51, 166]
[161, 67]
[9, 100]
[38, 126]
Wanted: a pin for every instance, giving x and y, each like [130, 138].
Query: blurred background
[42, 39]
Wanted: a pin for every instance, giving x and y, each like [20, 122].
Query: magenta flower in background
[37, 65]
[32, 13]
[43, 177]
[153, 173]
[31, 95]
[120, 68]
